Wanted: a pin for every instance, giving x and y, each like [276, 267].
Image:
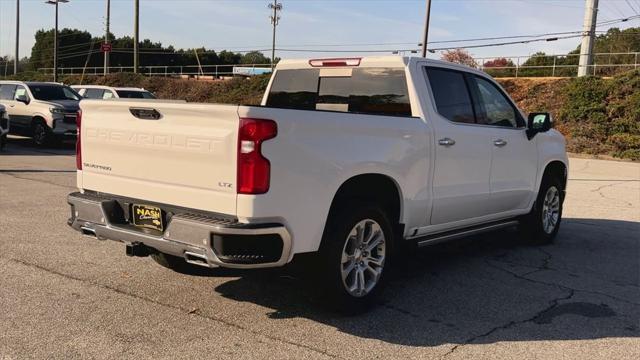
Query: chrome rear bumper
[186, 235]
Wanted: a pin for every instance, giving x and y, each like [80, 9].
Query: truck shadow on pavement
[482, 289]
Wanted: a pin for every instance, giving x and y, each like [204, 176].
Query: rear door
[173, 153]
[7, 94]
[462, 150]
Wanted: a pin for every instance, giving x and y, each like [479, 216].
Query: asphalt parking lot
[486, 297]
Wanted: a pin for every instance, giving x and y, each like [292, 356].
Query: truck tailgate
[181, 154]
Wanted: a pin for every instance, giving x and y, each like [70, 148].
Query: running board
[456, 234]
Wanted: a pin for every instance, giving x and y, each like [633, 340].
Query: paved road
[65, 296]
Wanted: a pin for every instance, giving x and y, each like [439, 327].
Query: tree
[73, 47]
[500, 67]
[459, 56]
[254, 57]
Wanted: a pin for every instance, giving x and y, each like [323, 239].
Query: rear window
[376, 91]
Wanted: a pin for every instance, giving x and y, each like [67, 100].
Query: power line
[632, 8]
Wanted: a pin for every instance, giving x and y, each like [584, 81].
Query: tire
[41, 134]
[541, 225]
[177, 264]
[347, 259]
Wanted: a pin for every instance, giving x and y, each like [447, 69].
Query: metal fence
[566, 65]
[206, 71]
[604, 64]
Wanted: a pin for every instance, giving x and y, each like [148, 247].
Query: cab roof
[368, 61]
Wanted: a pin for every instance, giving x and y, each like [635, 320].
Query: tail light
[78, 143]
[254, 170]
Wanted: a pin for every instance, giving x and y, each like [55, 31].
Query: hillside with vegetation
[599, 116]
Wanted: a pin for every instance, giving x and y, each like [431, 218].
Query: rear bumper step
[199, 239]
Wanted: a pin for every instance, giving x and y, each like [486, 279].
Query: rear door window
[452, 96]
[7, 91]
[375, 91]
[94, 93]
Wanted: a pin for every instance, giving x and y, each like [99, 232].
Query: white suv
[346, 159]
[41, 110]
[108, 92]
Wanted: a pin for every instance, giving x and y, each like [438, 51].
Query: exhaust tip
[196, 259]
[87, 231]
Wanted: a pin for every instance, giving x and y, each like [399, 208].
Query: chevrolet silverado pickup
[348, 159]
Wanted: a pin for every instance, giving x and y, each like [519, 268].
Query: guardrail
[604, 64]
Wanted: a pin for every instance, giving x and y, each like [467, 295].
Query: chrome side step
[460, 233]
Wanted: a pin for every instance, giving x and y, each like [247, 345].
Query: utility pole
[426, 29]
[17, 58]
[106, 39]
[588, 37]
[55, 39]
[275, 19]
[195, 51]
[135, 36]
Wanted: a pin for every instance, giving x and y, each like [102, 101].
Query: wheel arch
[372, 188]
[37, 118]
[557, 169]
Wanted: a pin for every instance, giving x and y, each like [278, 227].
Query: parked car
[4, 126]
[108, 92]
[346, 159]
[42, 110]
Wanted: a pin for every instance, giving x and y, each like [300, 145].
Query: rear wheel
[541, 225]
[356, 250]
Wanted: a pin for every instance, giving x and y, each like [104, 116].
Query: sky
[243, 25]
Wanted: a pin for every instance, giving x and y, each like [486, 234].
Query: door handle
[446, 142]
[499, 143]
[145, 113]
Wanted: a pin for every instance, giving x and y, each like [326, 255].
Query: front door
[20, 113]
[515, 158]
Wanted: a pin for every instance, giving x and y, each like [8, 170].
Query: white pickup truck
[349, 159]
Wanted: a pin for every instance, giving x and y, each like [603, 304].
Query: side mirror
[23, 99]
[538, 123]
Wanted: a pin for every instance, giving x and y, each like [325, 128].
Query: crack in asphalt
[600, 188]
[522, 277]
[554, 303]
[188, 311]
